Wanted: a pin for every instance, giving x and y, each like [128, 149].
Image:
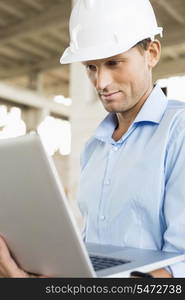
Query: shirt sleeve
[174, 202]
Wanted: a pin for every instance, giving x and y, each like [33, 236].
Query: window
[11, 124]
[56, 135]
[174, 86]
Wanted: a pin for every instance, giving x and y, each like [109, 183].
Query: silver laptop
[40, 229]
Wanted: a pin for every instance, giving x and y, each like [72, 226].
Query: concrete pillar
[86, 113]
[33, 117]
[36, 82]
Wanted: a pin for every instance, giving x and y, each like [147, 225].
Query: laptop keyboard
[101, 262]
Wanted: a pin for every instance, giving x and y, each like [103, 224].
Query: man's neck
[126, 118]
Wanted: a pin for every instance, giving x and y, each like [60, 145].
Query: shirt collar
[106, 127]
[151, 111]
[153, 108]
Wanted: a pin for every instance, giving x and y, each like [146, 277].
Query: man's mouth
[107, 96]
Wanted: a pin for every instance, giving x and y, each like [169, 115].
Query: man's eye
[91, 67]
[112, 63]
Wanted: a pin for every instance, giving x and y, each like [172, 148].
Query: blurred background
[37, 93]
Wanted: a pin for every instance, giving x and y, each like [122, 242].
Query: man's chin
[112, 109]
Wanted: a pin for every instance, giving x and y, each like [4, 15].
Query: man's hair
[143, 45]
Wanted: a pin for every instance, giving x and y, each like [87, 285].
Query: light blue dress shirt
[132, 192]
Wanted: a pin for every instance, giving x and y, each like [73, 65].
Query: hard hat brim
[85, 54]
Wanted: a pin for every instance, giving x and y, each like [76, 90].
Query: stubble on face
[130, 86]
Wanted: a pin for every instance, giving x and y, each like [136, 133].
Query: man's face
[121, 80]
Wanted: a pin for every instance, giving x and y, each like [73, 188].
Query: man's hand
[8, 266]
[160, 273]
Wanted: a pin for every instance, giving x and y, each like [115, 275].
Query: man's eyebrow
[116, 57]
[89, 62]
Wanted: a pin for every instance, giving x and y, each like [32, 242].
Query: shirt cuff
[169, 270]
[177, 270]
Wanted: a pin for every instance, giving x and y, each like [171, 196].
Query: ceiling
[34, 33]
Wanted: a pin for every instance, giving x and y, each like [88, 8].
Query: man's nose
[103, 79]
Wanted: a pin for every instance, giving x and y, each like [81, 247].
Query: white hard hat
[104, 28]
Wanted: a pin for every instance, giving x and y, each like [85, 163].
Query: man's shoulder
[176, 109]
[176, 104]
[175, 114]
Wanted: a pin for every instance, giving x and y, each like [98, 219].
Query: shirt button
[107, 182]
[102, 218]
[115, 148]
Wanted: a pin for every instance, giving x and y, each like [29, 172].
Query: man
[131, 188]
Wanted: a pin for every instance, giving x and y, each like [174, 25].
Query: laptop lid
[35, 218]
[39, 227]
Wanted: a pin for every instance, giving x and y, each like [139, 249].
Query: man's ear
[154, 53]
